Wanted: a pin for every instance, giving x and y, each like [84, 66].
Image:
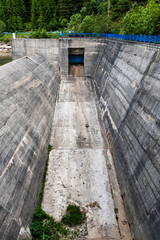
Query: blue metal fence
[136, 38]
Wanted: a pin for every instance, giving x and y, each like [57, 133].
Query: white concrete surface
[77, 171]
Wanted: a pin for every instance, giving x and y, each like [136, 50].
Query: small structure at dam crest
[113, 98]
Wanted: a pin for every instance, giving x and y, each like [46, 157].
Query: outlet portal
[76, 61]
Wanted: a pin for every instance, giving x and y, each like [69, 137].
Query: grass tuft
[73, 216]
[45, 227]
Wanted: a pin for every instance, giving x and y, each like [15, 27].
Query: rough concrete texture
[128, 87]
[48, 48]
[77, 170]
[28, 89]
[126, 79]
[56, 51]
[92, 49]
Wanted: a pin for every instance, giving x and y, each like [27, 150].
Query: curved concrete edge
[28, 90]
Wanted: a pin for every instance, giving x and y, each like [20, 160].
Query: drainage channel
[78, 163]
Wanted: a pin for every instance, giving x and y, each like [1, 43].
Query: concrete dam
[97, 102]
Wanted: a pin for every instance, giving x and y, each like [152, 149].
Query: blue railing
[136, 38]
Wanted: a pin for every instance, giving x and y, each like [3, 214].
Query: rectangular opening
[76, 61]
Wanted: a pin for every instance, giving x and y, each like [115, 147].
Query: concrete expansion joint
[137, 94]
[147, 71]
[11, 162]
[31, 60]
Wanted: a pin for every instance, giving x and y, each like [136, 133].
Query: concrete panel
[48, 48]
[78, 173]
[127, 85]
[28, 89]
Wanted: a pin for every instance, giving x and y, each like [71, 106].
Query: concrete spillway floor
[77, 171]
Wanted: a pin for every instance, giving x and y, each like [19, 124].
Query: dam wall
[56, 51]
[126, 77]
[127, 83]
[48, 48]
[28, 90]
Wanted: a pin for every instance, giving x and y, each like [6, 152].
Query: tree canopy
[124, 16]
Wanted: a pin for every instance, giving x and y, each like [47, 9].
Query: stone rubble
[5, 49]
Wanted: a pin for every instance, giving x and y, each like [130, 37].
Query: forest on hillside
[114, 16]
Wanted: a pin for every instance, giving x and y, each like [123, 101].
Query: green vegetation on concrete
[124, 16]
[45, 227]
[73, 216]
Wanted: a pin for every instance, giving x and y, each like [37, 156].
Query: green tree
[124, 5]
[49, 9]
[75, 21]
[69, 7]
[15, 23]
[12, 13]
[92, 6]
[41, 21]
[143, 19]
[103, 8]
[53, 25]
[64, 23]
[104, 24]
[83, 12]
[2, 12]
[42, 13]
[88, 24]
[2, 27]
[20, 15]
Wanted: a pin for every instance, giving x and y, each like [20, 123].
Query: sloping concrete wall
[28, 89]
[127, 83]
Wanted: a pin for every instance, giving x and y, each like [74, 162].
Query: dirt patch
[76, 70]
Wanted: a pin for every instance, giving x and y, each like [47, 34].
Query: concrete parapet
[48, 48]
